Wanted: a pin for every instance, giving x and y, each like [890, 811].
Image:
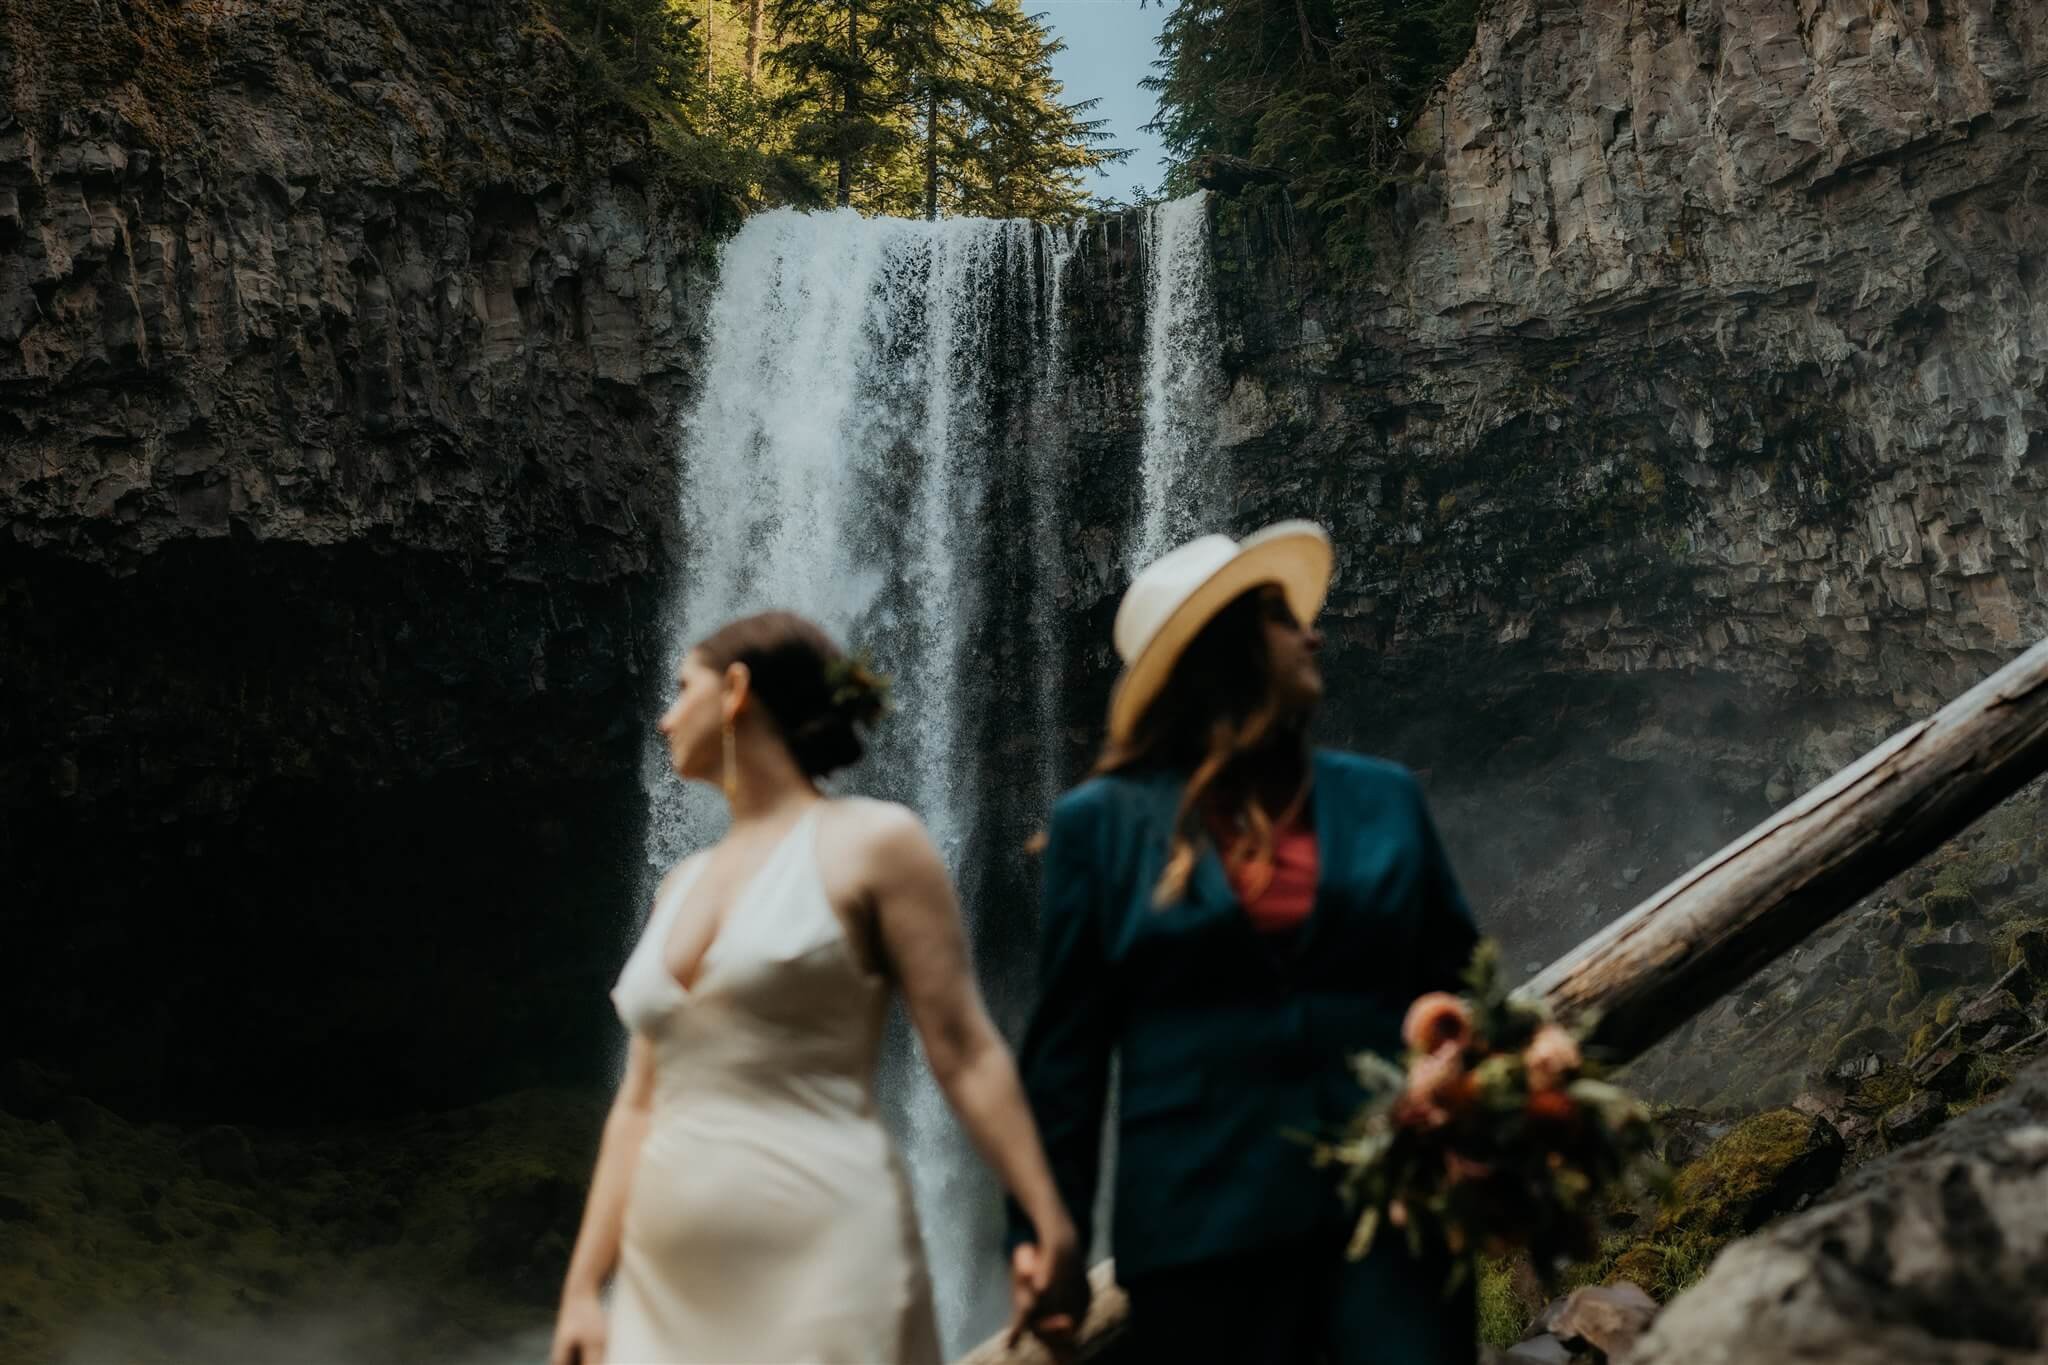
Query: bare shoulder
[885, 840]
[684, 865]
[866, 822]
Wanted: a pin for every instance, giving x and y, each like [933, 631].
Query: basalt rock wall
[1687, 439]
[339, 350]
[1693, 436]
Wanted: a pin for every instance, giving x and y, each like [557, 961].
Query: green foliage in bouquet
[1496, 1135]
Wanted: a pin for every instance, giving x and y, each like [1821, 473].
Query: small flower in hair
[856, 686]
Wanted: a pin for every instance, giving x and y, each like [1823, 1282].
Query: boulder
[1541, 1349]
[1998, 1039]
[1945, 1073]
[1946, 906]
[1982, 1015]
[1686, 1133]
[1955, 956]
[1914, 1119]
[2030, 948]
[1935, 1254]
[1606, 1318]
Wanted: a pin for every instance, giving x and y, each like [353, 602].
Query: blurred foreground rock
[1934, 1255]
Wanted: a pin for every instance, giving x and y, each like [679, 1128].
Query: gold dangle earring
[732, 763]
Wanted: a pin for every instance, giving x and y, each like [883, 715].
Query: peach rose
[1435, 1083]
[1437, 1020]
[1551, 1056]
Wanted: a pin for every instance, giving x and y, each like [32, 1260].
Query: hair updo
[819, 697]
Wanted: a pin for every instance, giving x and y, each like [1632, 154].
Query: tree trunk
[710, 35]
[849, 103]
[931, 156]
[1683, 948]
[757, 21]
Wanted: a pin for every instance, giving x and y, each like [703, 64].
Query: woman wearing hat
[1233, 915]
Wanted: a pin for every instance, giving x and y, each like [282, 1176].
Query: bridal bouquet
[1495, 1136]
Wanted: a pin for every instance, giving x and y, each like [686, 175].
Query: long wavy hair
[1219, 707]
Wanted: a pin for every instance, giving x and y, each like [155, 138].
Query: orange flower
[1551, 1056]
[1551, 1106]
[1437, 1020]
[1436, 1083]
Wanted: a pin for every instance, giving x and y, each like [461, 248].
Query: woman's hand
[1049, 1290]
[580, 1329]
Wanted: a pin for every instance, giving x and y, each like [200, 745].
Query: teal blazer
[1232, 1045]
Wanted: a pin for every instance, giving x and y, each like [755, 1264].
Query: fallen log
[1718, 924]
[1704, 934]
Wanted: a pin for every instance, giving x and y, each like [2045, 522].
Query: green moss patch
[1762, 1168]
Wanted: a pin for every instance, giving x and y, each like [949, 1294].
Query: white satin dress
[769, 1219]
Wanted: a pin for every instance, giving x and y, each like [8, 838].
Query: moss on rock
[1861, 1042]
[1766, 1165]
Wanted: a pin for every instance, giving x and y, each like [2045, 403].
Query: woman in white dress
[747, 1203]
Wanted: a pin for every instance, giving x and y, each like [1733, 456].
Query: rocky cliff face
[1689, 442]
[339, 345]
[1696, 439]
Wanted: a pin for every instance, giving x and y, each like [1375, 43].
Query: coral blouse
[1278, 895]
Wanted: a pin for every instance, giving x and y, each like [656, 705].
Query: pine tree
[1022, 150]
[1320, 90]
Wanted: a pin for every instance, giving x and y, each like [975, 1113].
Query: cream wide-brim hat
[1176, 595]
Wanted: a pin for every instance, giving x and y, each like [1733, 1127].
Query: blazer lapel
[1327, 816]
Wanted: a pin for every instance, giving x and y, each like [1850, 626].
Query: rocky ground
[1811, 1086]
[438, 1237]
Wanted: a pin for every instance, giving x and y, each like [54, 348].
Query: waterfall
[841, 460]
[1178, 494]
[1049, 474]
[880, 442]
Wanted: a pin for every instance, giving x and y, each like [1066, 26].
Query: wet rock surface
[1932, 1255]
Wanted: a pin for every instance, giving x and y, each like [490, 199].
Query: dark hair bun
[825, 744]
[819, 697]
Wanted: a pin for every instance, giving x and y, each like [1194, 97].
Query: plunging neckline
[732, 909]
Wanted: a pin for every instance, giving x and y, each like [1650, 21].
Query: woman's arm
[580, 1325]
[918, 922]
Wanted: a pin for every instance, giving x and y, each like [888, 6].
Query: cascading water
[882, 400]
[1048, 448]
[1177, 493]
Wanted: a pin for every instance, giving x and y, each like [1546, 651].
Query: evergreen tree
[889, 106]
[1320, 90]
[1022, 151]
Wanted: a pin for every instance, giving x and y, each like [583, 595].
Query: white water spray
[1183, 386]
[1049, 473]
[863, 417]
[836, 463]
